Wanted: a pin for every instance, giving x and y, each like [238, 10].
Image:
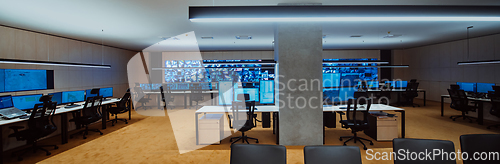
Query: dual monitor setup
[263, 93]
[478, 90]
[26, 102]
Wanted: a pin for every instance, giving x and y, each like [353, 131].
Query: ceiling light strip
[380, 66]
[31, 62]
[479, 62]
[348, 19]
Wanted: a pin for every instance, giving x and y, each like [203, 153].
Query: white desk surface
[269, 108]
[175, 92]
[471, 98]
[59, 111]
[394, 90]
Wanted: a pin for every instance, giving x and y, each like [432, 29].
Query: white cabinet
[211, 129]
[382, 129]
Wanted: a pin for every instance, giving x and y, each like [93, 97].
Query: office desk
[399, 91]
[480, 112]
[185, 93]
[275, 110]
[64, 120]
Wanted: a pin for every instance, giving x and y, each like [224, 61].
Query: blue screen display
[331, 79]
[26, 101]
[346, 93]
[73, 96]
[2, 80]
[106, 92]
[57, 97]
[253, 93]
[467, 87]
[267, 91]
[23, 80]
[484, 87]
[371, 84]
[88, 94]
[6, 102]
[331, 95]
[350, 79]
[400, 84]
[225, 92]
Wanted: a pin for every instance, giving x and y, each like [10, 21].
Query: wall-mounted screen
[350, 79]
[25, 102]
[13, 80]
[331, 80]
[266, 91]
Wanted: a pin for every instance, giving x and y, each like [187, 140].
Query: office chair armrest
[229, 118]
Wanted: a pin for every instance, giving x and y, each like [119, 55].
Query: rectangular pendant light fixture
[319, 13]
[378, 66]
[479, 62]
[356, 62]
[49, 63]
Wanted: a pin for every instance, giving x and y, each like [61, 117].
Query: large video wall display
[13, 80]
[178, 71]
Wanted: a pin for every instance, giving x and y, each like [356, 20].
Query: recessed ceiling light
[207, 37]
[243, 37]
[356, 36]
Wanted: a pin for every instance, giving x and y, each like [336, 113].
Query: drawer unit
[382, 129]
[211, 129]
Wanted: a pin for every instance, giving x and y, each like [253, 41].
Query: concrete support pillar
[298, 51]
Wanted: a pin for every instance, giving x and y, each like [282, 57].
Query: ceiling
[137, 24]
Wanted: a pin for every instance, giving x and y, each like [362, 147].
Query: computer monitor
[106, 92]
[57, 97]
[25, 102]
[331, 95]
[6, 102]
[467, 87]
[349, 79]
[253, 92]
[346, 93]
[373, 84]
[70, 97]
[400, 84]
[89, 94]
[331, 80]
[266, 89]
[485, 87]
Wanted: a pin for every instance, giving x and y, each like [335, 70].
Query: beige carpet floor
[152, 140]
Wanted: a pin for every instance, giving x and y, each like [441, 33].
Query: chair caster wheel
[84, 137]
[340, 139]
[55, 147]
[371, 143]
[70, 137]
[365, 148]
[345, 144]
[126, 122]
[256, 141]
[19, 158]
[488, 127]
[48, 154]
[101, 133]
[112, 125]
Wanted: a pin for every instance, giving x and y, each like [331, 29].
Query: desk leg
[64, 128]
[1, 146]
[425, 98]
[276, 127]
[442, 106]
[185, 101]
[480, 113]
[196, 122]
[399, 98]
[403, 123]
[104, 116]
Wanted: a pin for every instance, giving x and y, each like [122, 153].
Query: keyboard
[72, 106]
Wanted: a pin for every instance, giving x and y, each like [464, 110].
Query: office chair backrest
[243, 114]
[41, 117]
[423, 145]
[361, 96]
[353, 110]
[413, 80]
[92, 107]
[473, 143]
[332, 154]
[454, 87]
[161, 93]
[123, 102]
[257, 154]
[495, 104]
[459, 99]
[496, 88]
[411, 89]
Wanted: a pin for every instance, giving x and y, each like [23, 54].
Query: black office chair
[196, 95]
[495, 107]
[242, 119]
[460, 102]
[258, 154]
[421, 146]
[167, 97]
[122, 106]
[332, 154]
[141, 97]
[473, 143]
[353, 123]
[90, 113]
[410, 94]
[40, 124]
[413, 80]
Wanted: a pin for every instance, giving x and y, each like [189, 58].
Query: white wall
[435, 66]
